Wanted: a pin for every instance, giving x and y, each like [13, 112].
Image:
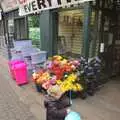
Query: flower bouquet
[62, 72]
[40, 78]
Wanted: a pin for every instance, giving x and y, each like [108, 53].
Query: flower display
[59, 71]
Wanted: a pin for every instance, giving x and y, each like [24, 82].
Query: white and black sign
[102, 47]
[32, 6]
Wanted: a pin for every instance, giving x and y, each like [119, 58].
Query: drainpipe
[87, 17]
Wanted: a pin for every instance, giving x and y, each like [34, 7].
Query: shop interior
[70, 32]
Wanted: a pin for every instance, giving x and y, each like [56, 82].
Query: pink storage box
[11, 67]
[21, 75]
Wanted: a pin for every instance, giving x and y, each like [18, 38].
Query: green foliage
[34, 33]
[34, 30]
[33, 21]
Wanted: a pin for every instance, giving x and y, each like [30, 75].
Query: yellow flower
[59, 82]
[69, 84]
[74, 88]
[72, 77]
[38, 81]
[58, 57]
[35, 76]
[63, 62]
[79, 87]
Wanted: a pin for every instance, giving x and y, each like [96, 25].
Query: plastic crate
[39, 57]
[16, 55]
[28, 51]
[22, 43]
[28, 62]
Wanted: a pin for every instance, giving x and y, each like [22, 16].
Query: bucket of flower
[39, 78]
[70, 83]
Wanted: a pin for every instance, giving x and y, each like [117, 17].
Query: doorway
[70, 32]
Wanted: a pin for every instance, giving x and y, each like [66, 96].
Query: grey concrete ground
[11, 108]
[24, 103]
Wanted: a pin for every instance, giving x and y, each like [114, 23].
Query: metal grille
[117, 4]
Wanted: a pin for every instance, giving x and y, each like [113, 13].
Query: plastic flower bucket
[74, 95]
[38, 88]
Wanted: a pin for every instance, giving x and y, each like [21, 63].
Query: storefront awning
[31, 6]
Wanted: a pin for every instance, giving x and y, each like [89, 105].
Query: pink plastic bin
[21, 75]
[11, 67]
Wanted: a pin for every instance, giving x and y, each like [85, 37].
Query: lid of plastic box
[20, 66]
[36, 53]
[15, 61]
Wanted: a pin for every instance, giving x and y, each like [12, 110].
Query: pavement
[24, 103]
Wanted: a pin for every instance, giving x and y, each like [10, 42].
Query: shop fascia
[32, 6]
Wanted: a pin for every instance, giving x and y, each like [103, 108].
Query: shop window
[20, 29]
[34, 30]
[70, 33]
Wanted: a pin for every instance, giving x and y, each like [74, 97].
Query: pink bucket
[11, 67]
[21, 75]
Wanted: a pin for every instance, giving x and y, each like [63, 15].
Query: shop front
[64, 31]
[70, 31]
[65, 25]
